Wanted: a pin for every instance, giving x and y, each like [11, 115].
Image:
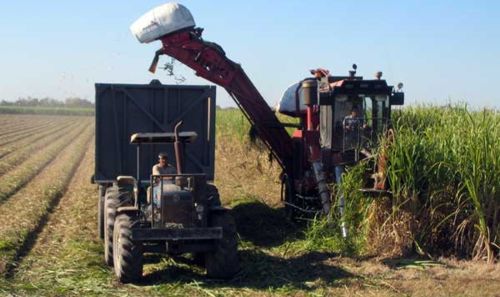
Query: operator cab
[341, 120]
[353, 114]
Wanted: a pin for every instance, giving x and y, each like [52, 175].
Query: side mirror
[397, 98]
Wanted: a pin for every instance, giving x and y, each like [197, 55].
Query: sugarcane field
[250, 149]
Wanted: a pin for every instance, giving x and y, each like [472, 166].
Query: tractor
[174, 214]
[340, 118]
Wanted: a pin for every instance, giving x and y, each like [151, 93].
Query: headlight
[341, 98]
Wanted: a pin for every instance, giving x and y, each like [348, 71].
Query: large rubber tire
[100, 212]
[223, 262]
[115, 197]
[127, 254]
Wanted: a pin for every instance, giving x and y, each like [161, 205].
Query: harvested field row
[13, 147]
[22, 174]
[24, 118]
[19, 153]
[20, 123]
[33, 132]
[29, 208]
[49, 110]
[16, 128]
[66, 259]
[13, 120]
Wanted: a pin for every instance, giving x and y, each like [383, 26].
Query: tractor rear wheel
[127, 254]
[223, 262]
[115, 197]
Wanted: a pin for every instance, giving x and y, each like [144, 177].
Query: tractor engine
[176, 205]
[177, 209]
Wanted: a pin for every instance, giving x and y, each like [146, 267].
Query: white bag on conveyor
[161, 21]
[292, 101]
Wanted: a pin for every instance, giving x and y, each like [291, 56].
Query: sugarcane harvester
[314, 156]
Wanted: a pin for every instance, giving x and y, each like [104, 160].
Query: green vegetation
[444, 169]
[70, 106]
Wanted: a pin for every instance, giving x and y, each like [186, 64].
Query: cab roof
[166, 137]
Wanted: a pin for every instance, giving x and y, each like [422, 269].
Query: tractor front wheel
[115, 197]
[127, 254]
[223, 262]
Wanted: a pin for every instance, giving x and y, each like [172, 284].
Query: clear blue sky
[441, 50]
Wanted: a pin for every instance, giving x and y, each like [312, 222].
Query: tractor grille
[177, 209]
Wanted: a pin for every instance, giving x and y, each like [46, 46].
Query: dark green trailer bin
[125, 109]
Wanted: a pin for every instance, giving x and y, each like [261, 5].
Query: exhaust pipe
[178, 148]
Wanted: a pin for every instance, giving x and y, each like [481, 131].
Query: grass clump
[325, 233]
[444, 171]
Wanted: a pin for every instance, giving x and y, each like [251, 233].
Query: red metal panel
[210, 62]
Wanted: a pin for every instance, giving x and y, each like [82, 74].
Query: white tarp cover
[292, 101]
[161, 21]
[288, 103]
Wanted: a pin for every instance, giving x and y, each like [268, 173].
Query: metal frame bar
[144, 234]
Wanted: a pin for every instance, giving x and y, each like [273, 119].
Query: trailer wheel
[199, 259]
[127, 254]
[213, 197]
[115, 197]
[223, 262]
[100, 212]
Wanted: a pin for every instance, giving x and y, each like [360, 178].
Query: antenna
[352, 73]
